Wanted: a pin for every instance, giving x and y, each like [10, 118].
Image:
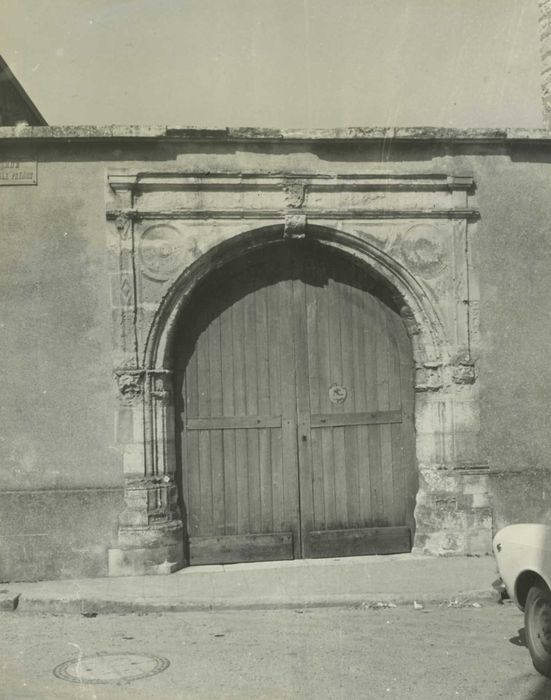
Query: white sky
[283, 63]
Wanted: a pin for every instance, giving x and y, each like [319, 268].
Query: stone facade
[442, 216]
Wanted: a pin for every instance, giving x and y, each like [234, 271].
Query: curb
[8, 601]
[90, 607]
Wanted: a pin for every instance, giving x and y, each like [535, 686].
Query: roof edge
[192, 133]
[22, 94]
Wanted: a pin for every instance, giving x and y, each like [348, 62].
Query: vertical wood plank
[349, 351]
[251, 393]
[288, 402]
[313, 340]
[192, 496]
[265, 470]
[398, 472]
[317, 481]
[334, 340]
[205, 512]
[360, 361]
[303, 404]
[366, 513]
[329, 489]
[375, 476]
[228, 409]
[203, 384]
[315, 280]
[241, 457]
[215, 407]
[240, 404]
[383, 401]
[263, 383]
[339, 467]
[337, 377]
[352, 476]
[274, 323]
[325, 379]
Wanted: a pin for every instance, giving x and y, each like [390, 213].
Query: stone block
[140, 561]
[8, 600]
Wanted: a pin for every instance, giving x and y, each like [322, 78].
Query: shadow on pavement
[519, 640]
[541, 690]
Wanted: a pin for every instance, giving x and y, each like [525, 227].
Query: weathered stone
[414, 219]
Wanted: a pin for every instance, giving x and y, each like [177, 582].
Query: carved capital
[161, 385]
[122, 218]
[464, 373]
[122, 224]
[130, 385]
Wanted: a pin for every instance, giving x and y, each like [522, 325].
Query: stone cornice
[264, 196]
[275, 214]
[396, 182]
[253, 134]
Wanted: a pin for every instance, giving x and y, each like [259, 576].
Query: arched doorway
[295, 390]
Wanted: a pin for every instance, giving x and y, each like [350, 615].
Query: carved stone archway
[159, 265]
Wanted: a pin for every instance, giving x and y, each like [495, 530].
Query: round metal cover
[111, 668]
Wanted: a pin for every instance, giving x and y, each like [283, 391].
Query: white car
[523, 556]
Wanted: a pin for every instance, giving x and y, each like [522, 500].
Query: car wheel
[537, 622]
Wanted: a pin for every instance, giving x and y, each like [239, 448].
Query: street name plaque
[18, 172]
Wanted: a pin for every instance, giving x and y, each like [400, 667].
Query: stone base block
[139, 561]
[169, 533]
[474, 541]
[452, 514]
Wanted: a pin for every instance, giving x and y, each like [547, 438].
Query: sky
[278, 63]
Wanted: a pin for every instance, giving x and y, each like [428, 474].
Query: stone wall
[80, 310]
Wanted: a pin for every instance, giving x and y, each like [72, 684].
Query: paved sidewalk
[399, 579]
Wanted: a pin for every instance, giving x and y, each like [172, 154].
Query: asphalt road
[400, 653]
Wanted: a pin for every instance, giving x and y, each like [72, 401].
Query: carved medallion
[161, 249]
[337, 394]
[422, 250]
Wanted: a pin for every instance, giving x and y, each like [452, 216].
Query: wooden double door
[296, 411]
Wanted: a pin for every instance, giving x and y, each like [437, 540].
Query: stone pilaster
[150, 536]
[150, 533]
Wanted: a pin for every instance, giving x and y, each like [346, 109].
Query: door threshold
[302, 563]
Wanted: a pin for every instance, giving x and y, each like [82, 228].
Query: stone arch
[157, 536]
[420, 316]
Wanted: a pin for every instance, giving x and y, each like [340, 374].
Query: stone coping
[252, 134]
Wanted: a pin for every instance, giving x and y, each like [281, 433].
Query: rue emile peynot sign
[17, 172]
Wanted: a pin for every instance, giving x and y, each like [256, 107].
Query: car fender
[523, 557]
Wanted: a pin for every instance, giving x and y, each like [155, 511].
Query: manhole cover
[111, 668]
